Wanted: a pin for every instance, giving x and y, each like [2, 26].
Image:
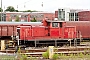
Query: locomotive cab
[56, 28]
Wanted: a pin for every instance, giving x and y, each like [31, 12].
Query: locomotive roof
[18, 23]
[68, 21]
[78, 23]
[54, 21]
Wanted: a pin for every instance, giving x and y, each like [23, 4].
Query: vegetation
[1, 9]
[0, 17]
[17, 19]
[16, 11]
[46, 55]
[55, 56]
[0, 13]
[7, 57]
[74, 56]
[34, 20]
[30, 11]
[10, 9]
[60, 57]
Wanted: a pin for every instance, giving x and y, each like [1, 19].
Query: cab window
[54, 24]
[60, 24]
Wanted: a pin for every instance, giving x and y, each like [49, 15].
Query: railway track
[37, 52]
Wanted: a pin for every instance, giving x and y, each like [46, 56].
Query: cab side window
[54, 24]
[60, 24]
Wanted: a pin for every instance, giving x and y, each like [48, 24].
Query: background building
[42, 15]
[12, 16]
[63, 14]
[66, 14]
[84, 16]
[27, 16]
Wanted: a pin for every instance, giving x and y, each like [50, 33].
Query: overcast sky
[48, 5]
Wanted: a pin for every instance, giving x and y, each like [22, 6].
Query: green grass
[74, 57]
[5, 57]
[61, 57]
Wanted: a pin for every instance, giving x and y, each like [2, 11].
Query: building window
[3, 17]
[71, 16]
[61, 14]
[23, 16]
[76, 16]
[54, 24]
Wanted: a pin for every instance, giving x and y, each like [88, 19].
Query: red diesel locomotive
[49, 33]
